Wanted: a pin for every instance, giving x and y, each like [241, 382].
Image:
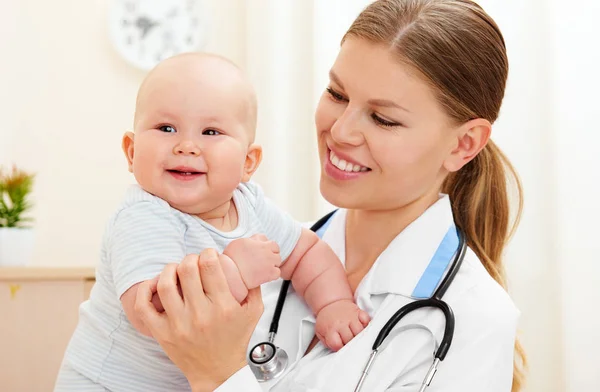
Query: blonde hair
[459, 50]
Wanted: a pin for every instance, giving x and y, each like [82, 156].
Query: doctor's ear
[127, 146]
[253, 159]
[468, 140]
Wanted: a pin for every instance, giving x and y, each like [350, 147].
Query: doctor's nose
[186, 147]
[345, 130]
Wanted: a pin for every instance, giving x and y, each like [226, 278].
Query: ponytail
[480, 203]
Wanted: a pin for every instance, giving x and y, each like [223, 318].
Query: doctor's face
[383, 137]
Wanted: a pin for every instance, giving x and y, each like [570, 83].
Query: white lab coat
[480, 358]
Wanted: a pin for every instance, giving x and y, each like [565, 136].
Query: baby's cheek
[227, 172]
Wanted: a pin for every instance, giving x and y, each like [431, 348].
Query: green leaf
[15, 188]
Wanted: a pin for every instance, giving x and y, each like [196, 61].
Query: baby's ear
[253, 159]
[127, 146]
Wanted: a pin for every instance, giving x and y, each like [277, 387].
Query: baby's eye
[211, 132]
[167, 128]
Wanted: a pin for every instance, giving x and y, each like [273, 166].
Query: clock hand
[145, 24]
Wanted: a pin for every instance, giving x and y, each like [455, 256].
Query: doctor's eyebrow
[335, 78]
[374, 102]
[386, 103]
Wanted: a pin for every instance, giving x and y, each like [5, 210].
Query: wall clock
[145, 32]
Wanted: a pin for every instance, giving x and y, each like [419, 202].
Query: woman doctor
[410, 103]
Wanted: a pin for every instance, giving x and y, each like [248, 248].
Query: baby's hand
[339, 322]
[257, 259]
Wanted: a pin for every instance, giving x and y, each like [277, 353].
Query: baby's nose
[187, 148]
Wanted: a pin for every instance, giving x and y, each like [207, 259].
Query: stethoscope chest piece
[268, 362]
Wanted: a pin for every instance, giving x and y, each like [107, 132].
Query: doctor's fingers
[213, 278]
[145, 310]
[168, 290]
[189, 278]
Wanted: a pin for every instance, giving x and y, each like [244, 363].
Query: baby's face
[193, 139]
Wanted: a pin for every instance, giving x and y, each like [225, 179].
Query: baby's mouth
[185, 173]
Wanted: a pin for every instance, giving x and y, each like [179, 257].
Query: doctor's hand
[205, 333]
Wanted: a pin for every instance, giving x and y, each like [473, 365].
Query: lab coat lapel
[393, 278]
[401, 265]
[396, 353]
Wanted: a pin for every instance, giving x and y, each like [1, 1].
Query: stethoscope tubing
[435, 301]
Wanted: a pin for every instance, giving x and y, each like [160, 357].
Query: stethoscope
[268, 361]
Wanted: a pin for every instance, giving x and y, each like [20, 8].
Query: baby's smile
[185, 173]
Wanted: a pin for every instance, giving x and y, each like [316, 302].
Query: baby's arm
[257, 261]
[234, 278]
[128, 303]
[236, 285]
[318, 276]
[316, 272]
[143, 239]
[232, 274]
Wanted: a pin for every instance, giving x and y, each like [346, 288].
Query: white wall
[576, 163]
[526, 134]
[279, 56]
[66, 98]
[549, 129]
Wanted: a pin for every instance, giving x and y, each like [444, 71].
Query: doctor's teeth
[335, 160]
[343, 165]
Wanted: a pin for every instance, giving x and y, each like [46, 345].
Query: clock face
[145, 32]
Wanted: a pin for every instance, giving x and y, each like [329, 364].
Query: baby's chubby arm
[316, 272]
[257, 261]
[236, 285]
[234, 280]
[232, 274]
[318, 276]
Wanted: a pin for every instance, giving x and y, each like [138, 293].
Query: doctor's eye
[335, 95]
[383, 122]
[211, 132]
[167, 129]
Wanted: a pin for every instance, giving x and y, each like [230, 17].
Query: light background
[66, 97]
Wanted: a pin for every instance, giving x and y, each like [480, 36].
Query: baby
[193, 154]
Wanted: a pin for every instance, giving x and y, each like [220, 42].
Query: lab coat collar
[400, 266]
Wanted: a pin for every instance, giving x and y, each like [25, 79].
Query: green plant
[15, 188]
